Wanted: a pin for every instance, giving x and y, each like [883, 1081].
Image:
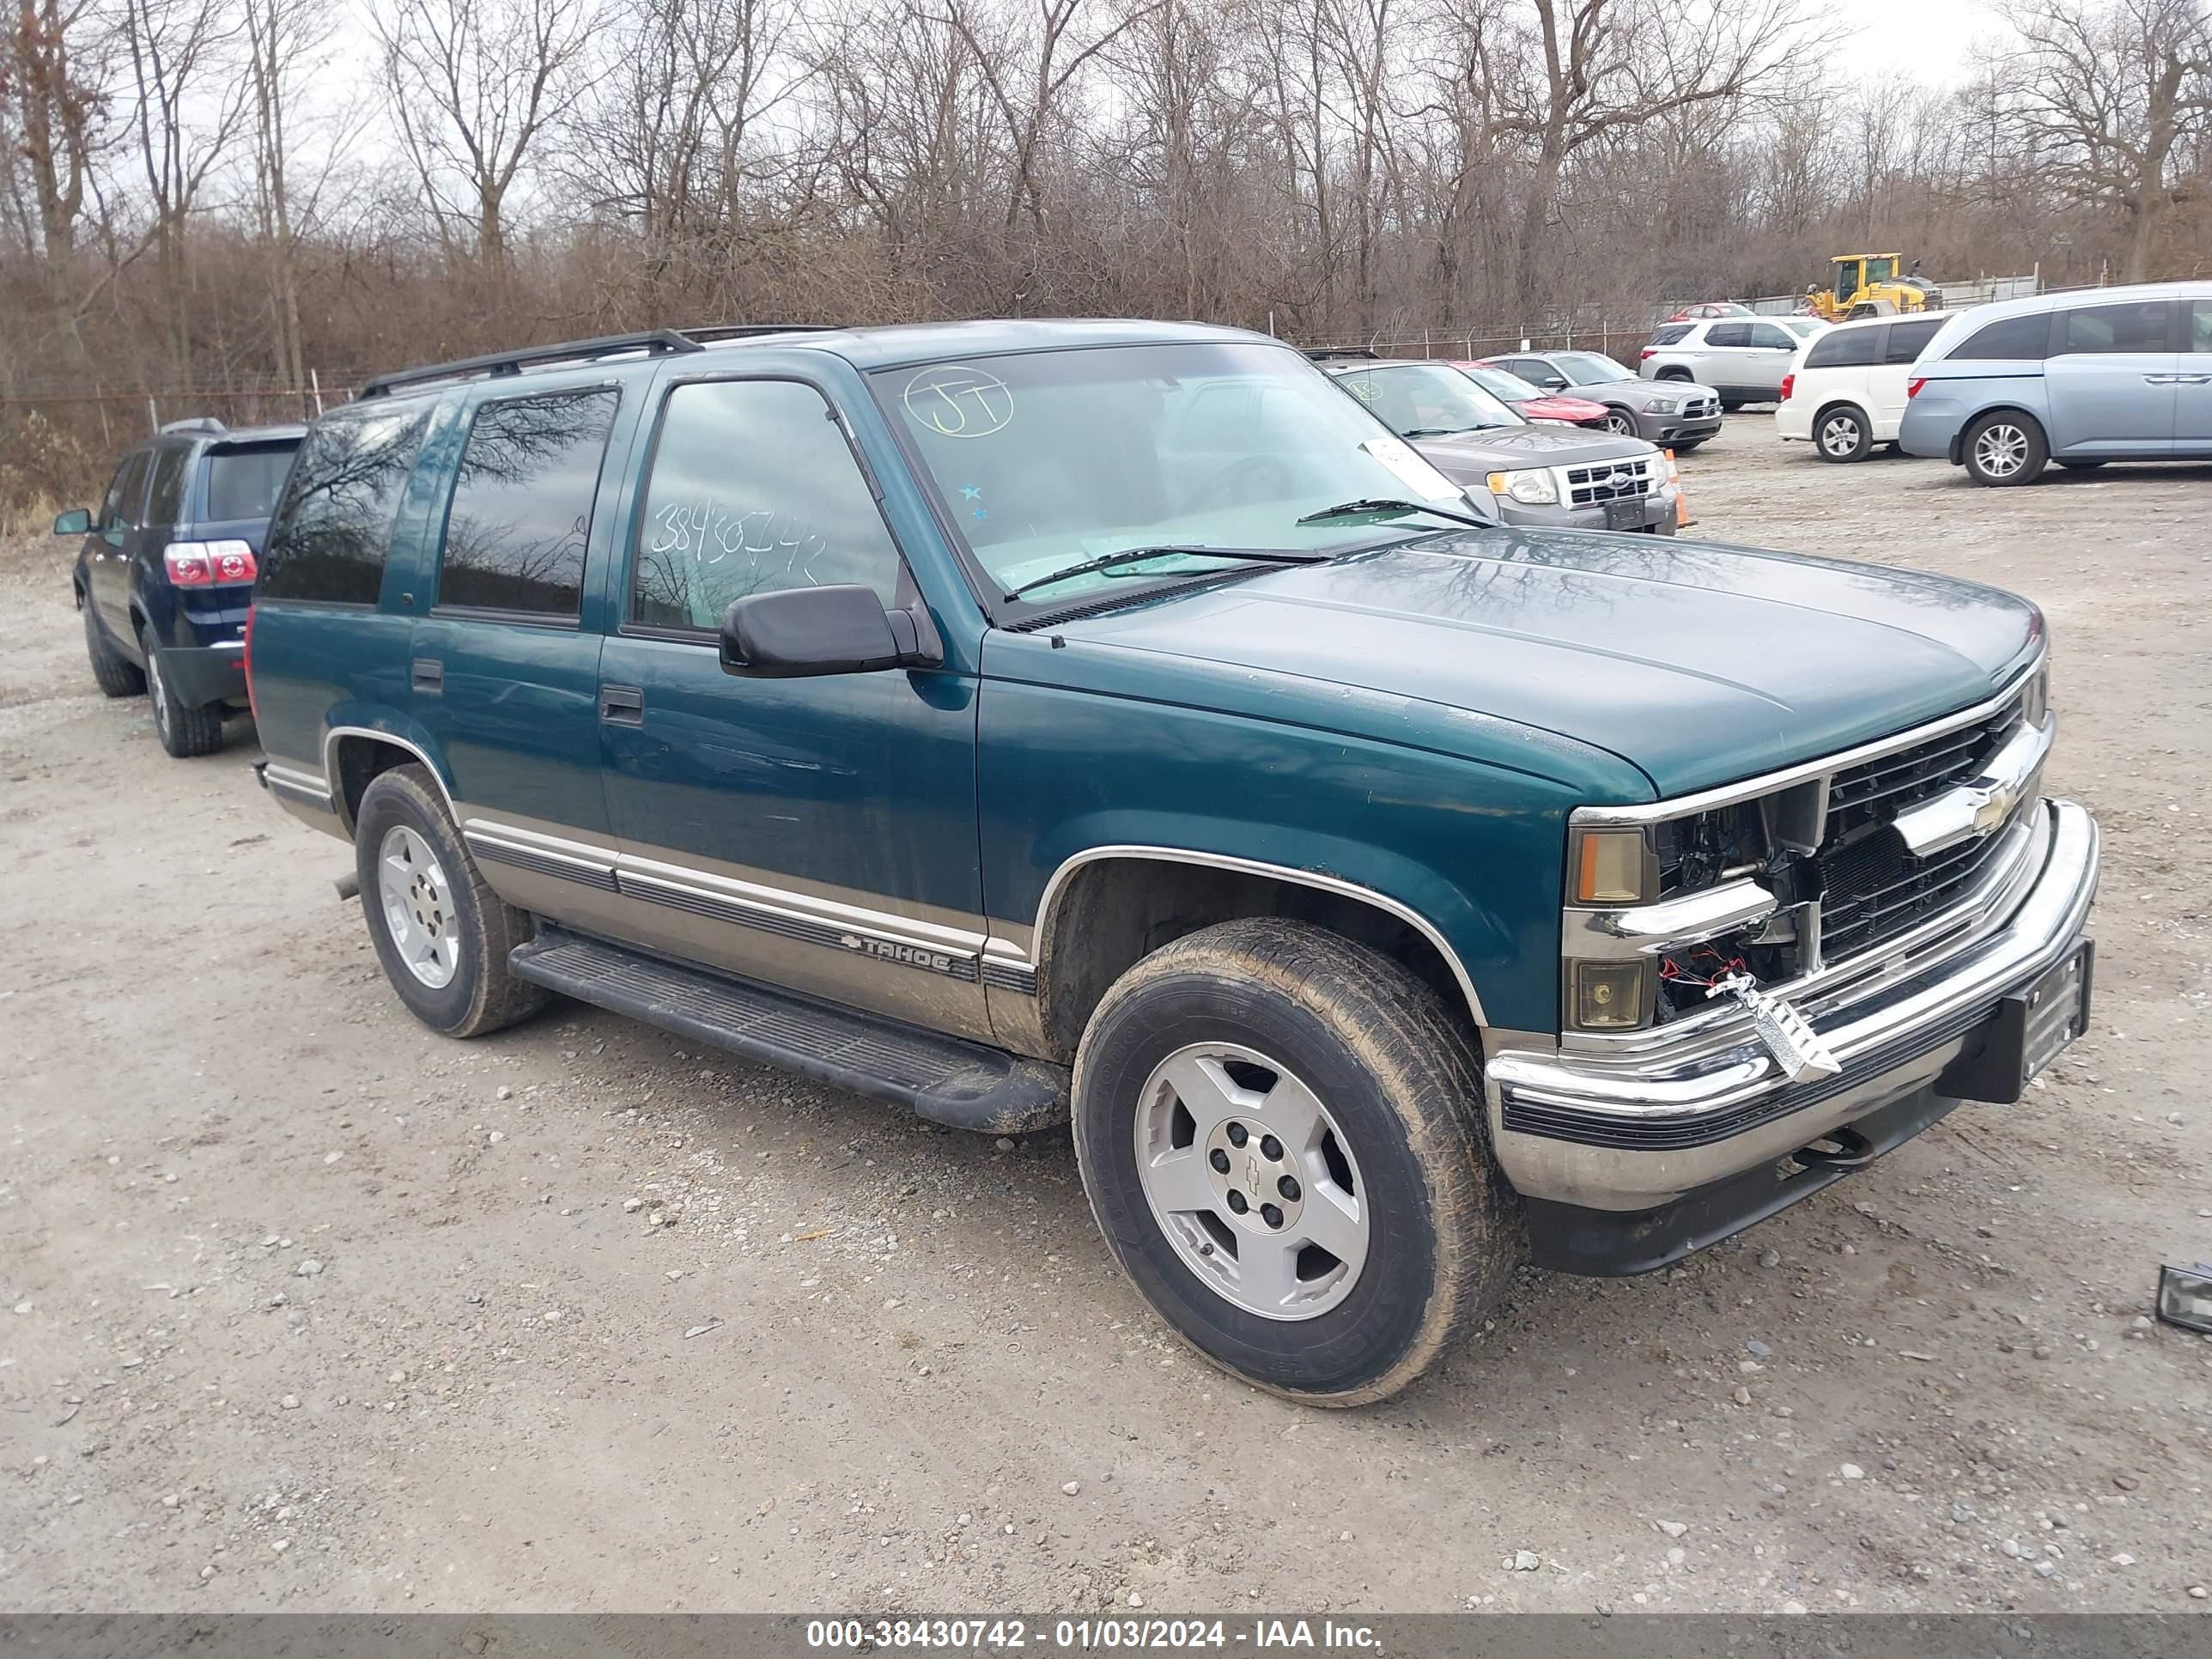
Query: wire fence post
[315, 380]
[153, 414]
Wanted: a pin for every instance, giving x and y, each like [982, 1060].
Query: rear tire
[1842, 434]
[1265, 1066]
[442, 934]
[186, 734]
[116, 675]
[2004, 449]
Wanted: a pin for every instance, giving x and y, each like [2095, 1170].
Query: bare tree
[2109, 95]
[1566, 73]
[179, 53]
[54, 97]
[474, 85]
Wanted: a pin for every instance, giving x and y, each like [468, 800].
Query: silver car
[1679, 417]
[1743, 358]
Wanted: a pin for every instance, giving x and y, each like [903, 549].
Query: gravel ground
[314, 1310]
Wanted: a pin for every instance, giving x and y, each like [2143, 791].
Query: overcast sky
[1929, 39]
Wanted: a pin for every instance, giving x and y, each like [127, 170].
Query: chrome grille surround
[1599, 482]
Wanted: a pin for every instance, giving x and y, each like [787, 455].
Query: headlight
[1531, 486]
[2035, 704]
[1662, 406]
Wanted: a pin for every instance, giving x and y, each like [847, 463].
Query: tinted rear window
[2013, 339]
[1845, 347]
[244, 483]
[1668, 333]
[522, 503]
[328, 540]
[1729, 334]
[1908, 340]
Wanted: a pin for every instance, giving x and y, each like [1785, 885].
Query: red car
[1533, 403]
[1711, 308]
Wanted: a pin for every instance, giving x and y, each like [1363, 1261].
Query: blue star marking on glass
[970, 493]
[982, 513]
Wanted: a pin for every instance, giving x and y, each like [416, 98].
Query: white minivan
[1845, 392]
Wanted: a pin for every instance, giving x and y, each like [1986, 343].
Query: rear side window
[243, 483]
[2200, 326]
[522, 503]
[2141, 325]
[1908, 340]
[2023, 339]
[126, 492]
[167, 503]
[328, 542]
[1668, 333]
[752, 490]
[1729, 334]
[1845, 347]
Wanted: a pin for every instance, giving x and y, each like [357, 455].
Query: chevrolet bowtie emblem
[1994, 807]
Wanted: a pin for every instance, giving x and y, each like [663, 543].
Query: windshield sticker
[955, 402]
[1410, 470]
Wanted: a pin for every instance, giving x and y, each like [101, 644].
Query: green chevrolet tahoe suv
[1009, 720]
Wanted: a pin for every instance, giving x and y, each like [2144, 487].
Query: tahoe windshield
[1049, 461]
[1417, 400]
[1588, 369]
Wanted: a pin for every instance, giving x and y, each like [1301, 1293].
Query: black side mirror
[74, 522]
[802, 631]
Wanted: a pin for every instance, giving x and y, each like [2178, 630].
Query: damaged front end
[1768, 886]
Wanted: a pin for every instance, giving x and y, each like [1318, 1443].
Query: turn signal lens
[1609, 866]
[1611, 996]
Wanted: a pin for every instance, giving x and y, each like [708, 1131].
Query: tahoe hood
[1699, 664]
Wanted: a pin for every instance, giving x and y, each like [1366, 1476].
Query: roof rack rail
[655, 341]
[1323, 354]
[195, 423]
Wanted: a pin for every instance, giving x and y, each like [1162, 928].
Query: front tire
[442, 934]
[185, 733]
[116, 674]
[1282, 1137]
[2004, 449]
[1620, 423]
[1842, 434]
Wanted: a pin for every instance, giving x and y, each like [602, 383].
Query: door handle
[429, 676]
[622, 705]
[2164, 380]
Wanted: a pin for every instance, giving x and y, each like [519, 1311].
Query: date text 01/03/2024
[1007, 1635]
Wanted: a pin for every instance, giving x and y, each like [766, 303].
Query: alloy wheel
[418, 907]
[2001, 450]
[1251, 1181]
[1839, 435]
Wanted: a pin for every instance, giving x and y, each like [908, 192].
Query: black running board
[945, 1079]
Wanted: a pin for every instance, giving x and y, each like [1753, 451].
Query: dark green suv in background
[999, 719]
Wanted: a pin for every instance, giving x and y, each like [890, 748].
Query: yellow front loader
[1863, 279]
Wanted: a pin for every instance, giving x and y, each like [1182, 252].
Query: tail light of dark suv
[208, 564]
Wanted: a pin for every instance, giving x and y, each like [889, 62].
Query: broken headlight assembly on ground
[2184, 1297]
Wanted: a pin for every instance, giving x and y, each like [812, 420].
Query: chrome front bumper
[1641, 1125]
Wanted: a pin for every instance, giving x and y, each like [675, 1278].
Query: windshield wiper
[1449, 431]
[1138, 554]
[1385, 504]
